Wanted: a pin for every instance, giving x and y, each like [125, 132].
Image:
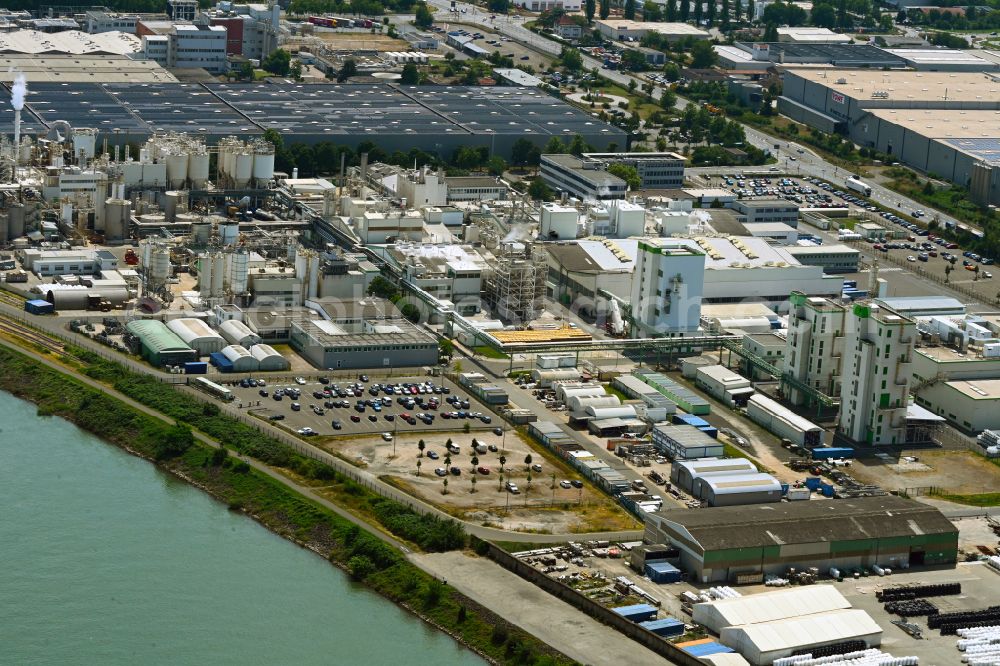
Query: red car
[355, 418]
[483, 470]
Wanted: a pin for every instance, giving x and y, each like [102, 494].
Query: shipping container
[195, 368]
[39, 307]
[661, 571]
[798, 494]
[711, 431]
[829, 452]
[813, 483]
[219, 360]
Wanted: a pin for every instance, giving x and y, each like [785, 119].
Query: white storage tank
[243, 169]
[238, 271]
[4, 228]
[15, 220]
[229, 233]
[205, 276]
[201, 232]
[171, 200]
[177, 169]
[116, 216]
[159, 268]
[218, 274]
[198, 163]
[263, 161]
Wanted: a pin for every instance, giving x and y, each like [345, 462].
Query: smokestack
[17, 94]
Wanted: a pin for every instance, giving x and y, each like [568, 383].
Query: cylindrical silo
[171, 200]
[239, 262]
[201, 232]
[145, 253]
[229, 233]
[185, 221]
[218, 274]
[160, 269]
[153, 221]
[15, 220]
[244, 168]
[116, 216]
[4, 228]
[177, 168]
[198, 168]
[205, 276]
[263, 162]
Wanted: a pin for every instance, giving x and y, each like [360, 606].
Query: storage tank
[84, 144]
[263, 162]
[171, 200]
[15, 220]
[243, 169]
[205, 276]
[187, 220]
[201, 232]
[218, 274]
[4, 228]
[229, 233]
[154, 220]
[69, 298]
[198, 163]
[116, 216]
[239, 263]
[177, 169]
[159, 268]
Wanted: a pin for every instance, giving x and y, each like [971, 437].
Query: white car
[911, 258]
[512, 488]
[300, 380]
[565, 484]
[387, 437]
[986, 274]
[441, 471]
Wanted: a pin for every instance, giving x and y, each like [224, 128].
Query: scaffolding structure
[515, 287]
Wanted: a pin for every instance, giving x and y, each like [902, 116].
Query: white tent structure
[779, 604]
[268, 359]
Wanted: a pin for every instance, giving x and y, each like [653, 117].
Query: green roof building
[158, 344]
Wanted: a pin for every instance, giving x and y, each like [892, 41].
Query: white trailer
[854, 183]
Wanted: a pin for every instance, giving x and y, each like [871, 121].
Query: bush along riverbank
[363, 555]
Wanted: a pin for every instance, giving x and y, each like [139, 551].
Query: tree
[685, 10]
[590, 8]
[418, 467]
[671, 10]
[629, 10]
[751, 13]
[697, 11]
[524, 152]
[668, 99]
[421, 445]
[527, 461]
[578, 146]
[503, 461]
[295, 71]
[422, 16]
[473, 484]
[555, 146]
[410, 75]
[538, 190]
[605, 9]
[710, 12]
[382, 288]
[278, 62]
[823, 15]
[475, 462]
[651, 12]
[360, 567]
[627, 173]
[411, 312]
[445, 491]
[725, 14]
[496, 165]
[703, 56]
[347, 70]
[446, 348]
[633, 61]
[571, 59]
[843, 20]
[246, 72]
[770, 32]
[498, 6]
[738, 10]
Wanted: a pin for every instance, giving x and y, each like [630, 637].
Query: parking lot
[521, 55]
[375, 405]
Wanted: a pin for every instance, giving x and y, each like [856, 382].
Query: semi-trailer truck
[853, 183]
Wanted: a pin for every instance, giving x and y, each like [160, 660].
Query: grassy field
[365, 557]
[981, 499]
[489, 352]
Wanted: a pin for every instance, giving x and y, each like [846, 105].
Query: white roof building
[197, 334]
[238, 333]
[268, 359]
[70, 42]
[806, 35]
[764, 642]
[779, 604]
[241, 358]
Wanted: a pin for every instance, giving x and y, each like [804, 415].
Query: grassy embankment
[273, 504]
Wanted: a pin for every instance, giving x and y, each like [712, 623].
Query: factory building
[831, 258]
[197, 334]
[579, 269]
[158, 344]
[437, 119]
[667, 288]
[752, 211]
[762, 643]
[657, 171]
[762, 55]
[814, 344]
[723, 384]
[683, 442]
[810, 35]
[718, 544]
[235, 358]
[779, 604]
[783, 422]
[582, 178]
[875, 370]
[388, 343]
[737, 489]
[622, 29]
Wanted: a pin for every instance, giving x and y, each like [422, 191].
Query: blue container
[39, 307]
[784, 489]
[661, 571]
[637, 612]
[195, 368]
[667, 626]
[219, 360]
[826, 489]
[828, 452]
[813, 483]
[711, 431]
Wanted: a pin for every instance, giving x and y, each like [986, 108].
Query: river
[106, 560]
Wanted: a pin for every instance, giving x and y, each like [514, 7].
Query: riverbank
[276, 506]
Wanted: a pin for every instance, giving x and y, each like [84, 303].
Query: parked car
[536, 468]
[565, 484]
[387, 437]
[483, 469]
[576, 483]
[433, 455]
[441, 471]
[512, 488]
[337, 425]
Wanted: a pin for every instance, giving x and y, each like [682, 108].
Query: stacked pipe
[868, 657]
[980, 645]
[911, 608]
[917, 591]
[723, 592]
[950, 623]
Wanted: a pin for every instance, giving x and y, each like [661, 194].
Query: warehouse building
[783, 422]
[235, 359]
[238, 333]
[779, 604]
[809, 35]
[197, 334]
[625, 29]
[762, 643]
[437, 119]
[971, 405]
[737, 489]
[721, 543]
[684, 442]
[683, 473]
[764, 54]
[680, 395]
[837, 258]
[268, 359]
[752, 211]
[723, 384]
[944, 60]
[158, 344]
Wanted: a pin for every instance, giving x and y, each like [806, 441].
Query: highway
[806, 163]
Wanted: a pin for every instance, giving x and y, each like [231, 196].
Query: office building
[753, 211]
[831, 258]
[657, 171]
[875, 369]
[198, 46]
[581, 178]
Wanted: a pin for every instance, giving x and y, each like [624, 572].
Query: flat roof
[926, 88]
[940, 57]
[69, 41]
[914, 305]
[843, 55]
[81, 69]
[753, 526]
[596, 177]
[944, 123]
[807, 250]
[518, 76]
[595, 255]
[977, 389]
[660, 27]
[802, 33]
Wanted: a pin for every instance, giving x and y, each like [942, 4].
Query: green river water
[105, 560]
